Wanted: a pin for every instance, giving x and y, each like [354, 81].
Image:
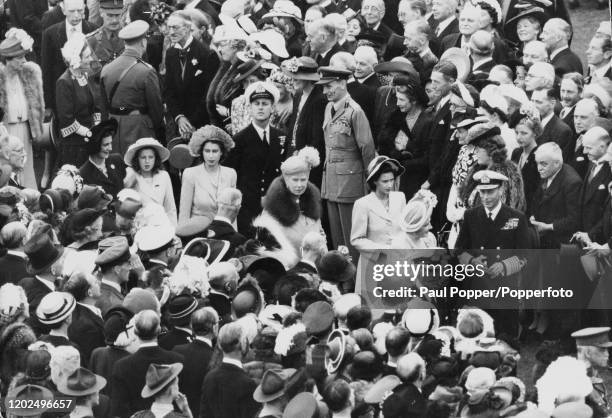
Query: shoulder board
[94, 33]
[140, 60]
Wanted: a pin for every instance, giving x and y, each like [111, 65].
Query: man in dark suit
[443, 76]
[129, 373]
[114, 263]
[601, 233]
[373, 12]
[87, 327]
[554, 129]
[365, 60]
[396, 343]
[585, 117]
[257, 155]
[554, 211]
[569, 93]
[223, 278]
[227, 391]
[416, 41]
[481, 47]
[54, 38]
[306, 122]
[443, 21]
[180, 309]
[190, 66]
[594, 190]
[26, 15]
[323, 41]
[556, 34]
[198, 353]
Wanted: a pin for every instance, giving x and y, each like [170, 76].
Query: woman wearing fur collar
[21, 97]
[291, 209]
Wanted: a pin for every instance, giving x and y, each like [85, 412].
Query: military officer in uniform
[487, 230]
[104, 42]
[592, 346]
[349, 148]
[131, 92]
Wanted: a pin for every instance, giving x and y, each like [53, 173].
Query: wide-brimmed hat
[284, 8]
[41, 252]
[27, 393]
[268, 264]
[377, 392]
[158, 376]
[272, 40]
[116, 321]
[93, 197]
[81, 383]
[420, 317]
[246, 69]
[152, 238]
[460, 59]
[377, 163]
[211, 250]
[17, 43]
[55, 307]
[334, 266]
[161, 151]
[302, 405]
[206, 134]
[535, 12]
[99, 132]
[301, 68]
[336, 342]
[272, 386]
[318, 317]
[593, 336]
[248, 298]
[55, 200]
[396, 65]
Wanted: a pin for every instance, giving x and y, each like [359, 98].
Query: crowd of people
[191, 190]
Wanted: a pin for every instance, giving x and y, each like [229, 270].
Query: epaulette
[140, 60]
[94, 33]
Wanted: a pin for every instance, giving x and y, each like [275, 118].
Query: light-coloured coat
[374, 227]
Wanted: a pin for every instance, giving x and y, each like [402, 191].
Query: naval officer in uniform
[487, 230]
[131, 92]
[349, 148]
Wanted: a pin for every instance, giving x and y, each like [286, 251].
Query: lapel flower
[194, 62]
[112, 166]
[282, 139]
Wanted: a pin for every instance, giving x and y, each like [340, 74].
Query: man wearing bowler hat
[349, 148]
[131, 92]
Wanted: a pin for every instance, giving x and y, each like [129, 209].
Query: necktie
[563, 113]
[491, 216]
[265, 138]
[333, 111]
[593, 171]
[578, 143]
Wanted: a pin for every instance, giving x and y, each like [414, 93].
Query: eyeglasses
[370, 9]
[175, 27]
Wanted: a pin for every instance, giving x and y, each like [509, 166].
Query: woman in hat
[76, 108]
[86, 231]
[146, 175]
[291, 209]
[404, 136]
[103, 168]
[21, 97]
[284, 107]
[376, 216]
[354, 27]
[201, 184]
[415, 222]
[528, 130]
[227, 42]
[492, 154]
[248, 73]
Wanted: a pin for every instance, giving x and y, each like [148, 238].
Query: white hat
[272, 40]
[420, 317]
[153, 237]
[345, 303]
[262, 89]
[284, 8]
[228, 33]
[162, 151]
[514, 93]
[303, 162]
[417, 212]
[55, 307]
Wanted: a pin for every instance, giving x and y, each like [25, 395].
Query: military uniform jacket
[105, 45]
[139, 90]
[349, 148]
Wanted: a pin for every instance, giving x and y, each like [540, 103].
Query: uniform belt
[126, 111]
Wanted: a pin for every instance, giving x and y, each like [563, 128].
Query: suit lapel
[592, 186]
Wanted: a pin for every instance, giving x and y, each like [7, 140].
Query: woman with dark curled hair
[528, 130]
[405, 135]
[146, 175]
[491, 154]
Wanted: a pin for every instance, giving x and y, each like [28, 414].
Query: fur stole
[514, 192]
[282, 205]
[31, 78]
[275, 243]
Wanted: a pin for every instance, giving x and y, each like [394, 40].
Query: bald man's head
[481, 43]
[411, 368]
[585, 115]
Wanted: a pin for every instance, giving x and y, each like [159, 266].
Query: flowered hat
[16, 43]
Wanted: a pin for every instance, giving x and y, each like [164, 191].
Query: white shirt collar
[79, 28]
[47, 283]
[112, 284]
[481, 63]
[157, 261]
[19, 254]
[425, 52]
[189, 41]
[236, 363]
[150, 344]
[222, 219]
[204, 339]
[556, 52]
[160, 410]
[552, 178]
[442, 102]
[361, 80]
[260, 132]
[495, 210]
[185, 329]
[547, 119]
[601, 72]
[391, 364]
[444, 24]
[92, 308]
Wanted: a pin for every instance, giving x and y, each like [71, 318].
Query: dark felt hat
[116, 321]
[318, 317]
[158, 376]
[99, 132]
[182, 306]
[335, 267]
[25, 393]
[81, 383]
[41, 252]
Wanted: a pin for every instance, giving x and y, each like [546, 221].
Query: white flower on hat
[22, 36]
[190, 273]
[284, 339]
[71, 51]
[529, 110]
